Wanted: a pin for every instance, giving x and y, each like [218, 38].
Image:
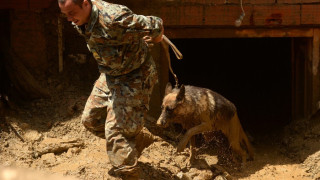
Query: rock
[48, 159]
[183, 176]
[219, 177]
[196, 174]
[73, 151]
[182, 160]
[32, 136]
[312, 165]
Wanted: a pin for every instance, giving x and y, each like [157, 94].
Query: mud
[57, 143]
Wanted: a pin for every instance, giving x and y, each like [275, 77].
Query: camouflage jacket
[114, 36]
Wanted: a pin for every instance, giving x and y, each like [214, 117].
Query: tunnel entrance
[4, 44]
[254, 73]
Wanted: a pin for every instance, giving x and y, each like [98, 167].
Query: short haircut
[78, 2]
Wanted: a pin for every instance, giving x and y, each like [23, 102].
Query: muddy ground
[56, 142]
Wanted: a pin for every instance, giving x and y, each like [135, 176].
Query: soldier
[120, 42]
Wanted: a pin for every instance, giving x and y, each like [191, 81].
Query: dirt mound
[55, 141]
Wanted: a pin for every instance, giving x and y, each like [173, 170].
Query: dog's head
[172, 99]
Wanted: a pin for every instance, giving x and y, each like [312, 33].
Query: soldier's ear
[168, 89]
[85, 3]
[181, 93]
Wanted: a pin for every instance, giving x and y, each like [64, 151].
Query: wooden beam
[308, 80]
[315, 71]
[210, 32]
[302, 55]
[315, 63]
[60, 43]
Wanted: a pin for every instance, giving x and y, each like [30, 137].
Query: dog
[201, 110]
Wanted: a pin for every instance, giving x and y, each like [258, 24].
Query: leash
[166, 41]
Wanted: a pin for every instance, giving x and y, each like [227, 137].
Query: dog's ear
[168, 89]
[181, 93]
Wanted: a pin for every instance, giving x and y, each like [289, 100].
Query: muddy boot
[145, 139]
[131, 176]
[130, 173]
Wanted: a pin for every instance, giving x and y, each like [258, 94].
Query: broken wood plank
[54, 145]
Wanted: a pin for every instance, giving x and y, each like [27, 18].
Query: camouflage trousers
[116, 109]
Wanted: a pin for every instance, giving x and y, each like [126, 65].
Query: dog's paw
[180, 148]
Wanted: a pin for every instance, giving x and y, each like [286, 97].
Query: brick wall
[223, 13]
[28, 34]
[210, 12]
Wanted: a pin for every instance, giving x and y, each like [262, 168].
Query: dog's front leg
[192, 149]
[191, 132]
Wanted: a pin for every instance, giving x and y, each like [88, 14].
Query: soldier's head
[77, 11]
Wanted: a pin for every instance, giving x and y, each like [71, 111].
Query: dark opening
[253, 73]
[4, 49]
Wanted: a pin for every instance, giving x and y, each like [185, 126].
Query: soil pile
[56, 142]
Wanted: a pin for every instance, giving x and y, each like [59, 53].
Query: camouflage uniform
[120, 97]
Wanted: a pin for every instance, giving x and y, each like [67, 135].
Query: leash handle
[174, 48]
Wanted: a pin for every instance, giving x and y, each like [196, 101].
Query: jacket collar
[93, 18]
[92, 21]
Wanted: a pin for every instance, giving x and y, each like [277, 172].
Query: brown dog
[201, 110]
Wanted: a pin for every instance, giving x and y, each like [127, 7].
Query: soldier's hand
[149, 41]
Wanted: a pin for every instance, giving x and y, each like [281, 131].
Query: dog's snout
[161, 122]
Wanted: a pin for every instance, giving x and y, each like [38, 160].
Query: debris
[183, 176]
[56, 146]
[32, 135]
[312, 164]
[195, 174]
[48, 159]
[14, 130]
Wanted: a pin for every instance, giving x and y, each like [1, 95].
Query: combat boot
[134, 176]
[128, 173]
